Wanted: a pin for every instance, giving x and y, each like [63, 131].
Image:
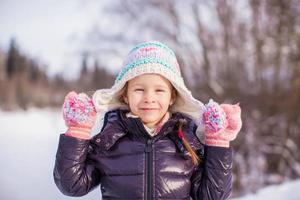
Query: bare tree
[246, 51]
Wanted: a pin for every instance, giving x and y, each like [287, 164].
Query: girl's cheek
[137, 96]
[164, 96]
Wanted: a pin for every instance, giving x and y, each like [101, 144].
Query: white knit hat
[150, 57]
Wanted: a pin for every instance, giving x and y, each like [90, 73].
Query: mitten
[79, 114]
[222, 123]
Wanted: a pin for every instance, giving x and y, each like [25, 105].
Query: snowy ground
[286, 191]
[27, 151]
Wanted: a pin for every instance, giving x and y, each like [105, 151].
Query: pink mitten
[79, 114]
[222, 123]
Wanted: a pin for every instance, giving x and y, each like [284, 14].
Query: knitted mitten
[222, 123]
[79, 114]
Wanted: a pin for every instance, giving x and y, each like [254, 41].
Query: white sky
[49, 30]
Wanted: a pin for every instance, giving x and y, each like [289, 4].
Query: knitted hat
[150, 57]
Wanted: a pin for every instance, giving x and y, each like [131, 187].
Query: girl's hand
[79, 114]
[222, 123]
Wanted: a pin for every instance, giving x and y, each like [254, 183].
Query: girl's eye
[139, 90]
[160, 90]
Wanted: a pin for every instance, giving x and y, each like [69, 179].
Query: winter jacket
[129, 164]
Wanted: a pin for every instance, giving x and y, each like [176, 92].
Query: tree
[14, 59]
[246, 51]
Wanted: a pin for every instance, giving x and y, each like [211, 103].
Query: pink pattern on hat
[148, 49]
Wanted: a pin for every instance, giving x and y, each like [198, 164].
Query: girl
[148, 147]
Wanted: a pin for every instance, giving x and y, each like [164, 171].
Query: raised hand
[79, 114]
[222, 123]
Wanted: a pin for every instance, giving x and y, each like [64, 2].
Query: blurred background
[245, 51]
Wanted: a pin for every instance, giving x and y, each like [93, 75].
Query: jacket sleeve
[74, 172]
[212, 179]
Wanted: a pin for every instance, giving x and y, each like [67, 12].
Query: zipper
[149, 156]
[149, 170]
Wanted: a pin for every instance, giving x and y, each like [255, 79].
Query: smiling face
[149, 97]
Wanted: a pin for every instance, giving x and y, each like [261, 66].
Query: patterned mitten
[222, 123]
[79, 114]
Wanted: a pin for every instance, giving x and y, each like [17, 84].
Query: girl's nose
[149, 97]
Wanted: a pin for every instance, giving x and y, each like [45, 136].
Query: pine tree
[13, 59]
[84, 65]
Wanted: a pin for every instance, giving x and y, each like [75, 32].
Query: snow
[27, 150]
[287, 191]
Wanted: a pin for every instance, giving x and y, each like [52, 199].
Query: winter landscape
[242, 51]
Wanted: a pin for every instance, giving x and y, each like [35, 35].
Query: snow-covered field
[27, 152]
[286, 191]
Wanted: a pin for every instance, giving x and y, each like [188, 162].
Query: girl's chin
[150, 121]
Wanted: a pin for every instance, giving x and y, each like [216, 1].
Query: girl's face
[149, 97]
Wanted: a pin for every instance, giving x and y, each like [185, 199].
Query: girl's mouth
[148, 109]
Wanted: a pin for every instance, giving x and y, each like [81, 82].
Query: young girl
[148, 147]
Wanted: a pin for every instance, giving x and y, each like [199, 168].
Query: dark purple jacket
[130, 164]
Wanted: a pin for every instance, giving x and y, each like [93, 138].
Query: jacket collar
[116, 125]
[155, 130]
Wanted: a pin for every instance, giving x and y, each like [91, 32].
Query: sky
[49, 30]
[53, 31]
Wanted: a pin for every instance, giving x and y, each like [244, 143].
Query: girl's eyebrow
[163, 86]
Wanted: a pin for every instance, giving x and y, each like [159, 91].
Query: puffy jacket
[130, 164]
